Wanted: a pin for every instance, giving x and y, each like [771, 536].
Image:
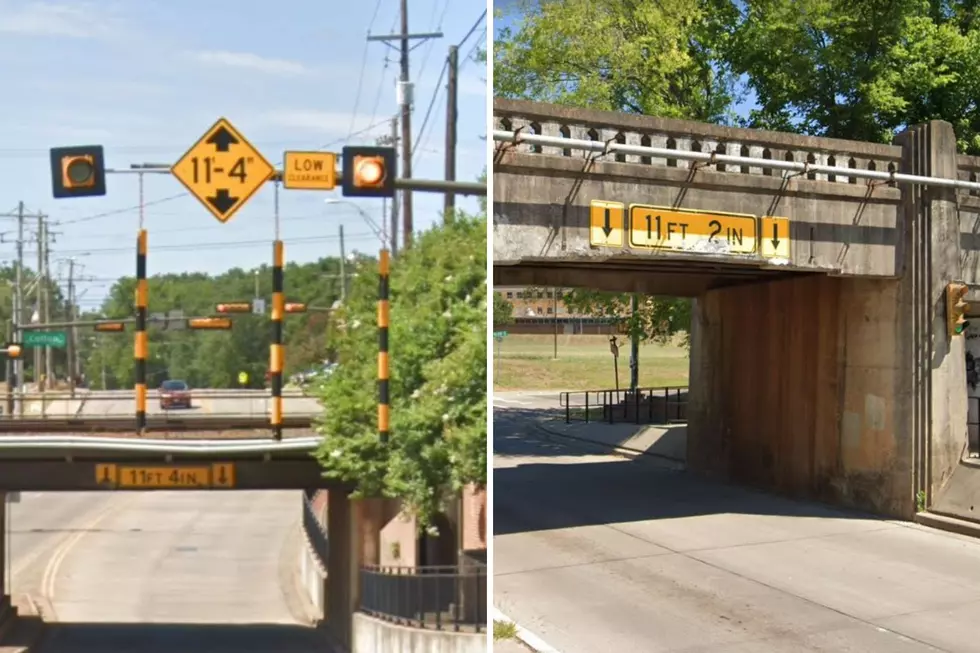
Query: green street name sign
[499, 335]
[54, 339]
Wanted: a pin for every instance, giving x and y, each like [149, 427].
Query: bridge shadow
[74, 637]
[535, 490]
[529, 431]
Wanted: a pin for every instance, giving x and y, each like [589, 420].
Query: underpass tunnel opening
[790, 381]
[972, 363]
[150, 563]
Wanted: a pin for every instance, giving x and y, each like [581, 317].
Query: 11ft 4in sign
[222, 170]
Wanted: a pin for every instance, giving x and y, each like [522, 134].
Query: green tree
[656, 318]
[861, 70]
[438, 373]
[661, 58]
[503, 310]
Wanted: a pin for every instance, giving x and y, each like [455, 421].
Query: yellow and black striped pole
[384, 397]
[141, 346]
[276, 356]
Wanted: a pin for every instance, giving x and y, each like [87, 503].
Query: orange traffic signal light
[112, 327]
[956, 308]
[368, 171]
[209, 323]
[294, 308]
[12, 349]
[235, 307]
[77, 171]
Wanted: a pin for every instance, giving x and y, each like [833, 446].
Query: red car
[174, 394]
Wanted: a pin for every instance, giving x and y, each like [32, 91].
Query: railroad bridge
[820, 361]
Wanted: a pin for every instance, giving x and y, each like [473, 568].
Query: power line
[360, 77]
[472, 29]
[432, 103]
[198, 247]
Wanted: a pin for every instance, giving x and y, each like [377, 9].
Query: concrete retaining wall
[313, 578]
[375, 636]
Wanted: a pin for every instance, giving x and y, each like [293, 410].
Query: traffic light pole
[475, 188]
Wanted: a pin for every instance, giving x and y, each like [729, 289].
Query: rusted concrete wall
[794, 388]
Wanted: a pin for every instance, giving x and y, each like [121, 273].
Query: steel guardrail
[120, 424]
[159, 446]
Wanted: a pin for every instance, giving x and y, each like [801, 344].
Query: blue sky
[145, 78]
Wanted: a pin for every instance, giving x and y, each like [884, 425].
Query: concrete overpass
[820, 365]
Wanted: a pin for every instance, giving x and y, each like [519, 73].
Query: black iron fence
[434, 597]
[315, 529]
[973, 426]
[661, 405]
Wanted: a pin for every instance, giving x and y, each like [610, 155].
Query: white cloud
[79, 20]
[250, 61]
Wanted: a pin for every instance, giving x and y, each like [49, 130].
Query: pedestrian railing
[315, 529]
[450, 598]
[660, 405]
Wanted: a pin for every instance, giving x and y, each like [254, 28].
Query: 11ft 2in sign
[222, 170]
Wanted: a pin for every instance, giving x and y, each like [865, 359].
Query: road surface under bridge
[190, 571]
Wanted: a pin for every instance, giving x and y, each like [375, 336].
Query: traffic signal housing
[294, 307]
[956, 308]
[77, 171]
[209, 323]
[368, 171]
[110, 327]
[234, 307]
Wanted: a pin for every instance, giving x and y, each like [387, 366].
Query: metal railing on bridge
[315, 529]
[658, 405]
[432, 597]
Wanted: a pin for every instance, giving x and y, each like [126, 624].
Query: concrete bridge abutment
[844, 389]
[826, 373]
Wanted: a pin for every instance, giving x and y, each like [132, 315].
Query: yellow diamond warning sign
[222, 170]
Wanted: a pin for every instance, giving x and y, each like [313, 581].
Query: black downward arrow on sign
[221, 476]
[607, 227]
[221, 139]
[775, 235]
[222, 201]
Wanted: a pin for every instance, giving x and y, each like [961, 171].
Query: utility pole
[19, 304]
[392, 141]
[343, 267]
[449, 199]
[46, 297]
[405, 101]
[38, 293]
[71, 318]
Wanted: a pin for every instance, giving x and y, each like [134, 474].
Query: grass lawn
[526, 362]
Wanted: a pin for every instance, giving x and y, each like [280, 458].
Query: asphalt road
[599, 553]
[162, 572]
[204, 402]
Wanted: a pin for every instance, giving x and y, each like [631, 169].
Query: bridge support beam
[842, 389]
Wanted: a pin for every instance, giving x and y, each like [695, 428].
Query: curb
[628, 452]
[524, 635]
[948, 523]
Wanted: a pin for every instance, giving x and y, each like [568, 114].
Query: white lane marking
[526, 635]
[512, 401]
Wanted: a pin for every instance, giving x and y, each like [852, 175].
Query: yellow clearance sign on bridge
[656, 227]
[309, 170]
[189, 477]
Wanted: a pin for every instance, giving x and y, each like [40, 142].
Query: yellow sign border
[113, 474]
[763, 239]
[724, 214]
[624, 218]
[285, 176]
[223, 219]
